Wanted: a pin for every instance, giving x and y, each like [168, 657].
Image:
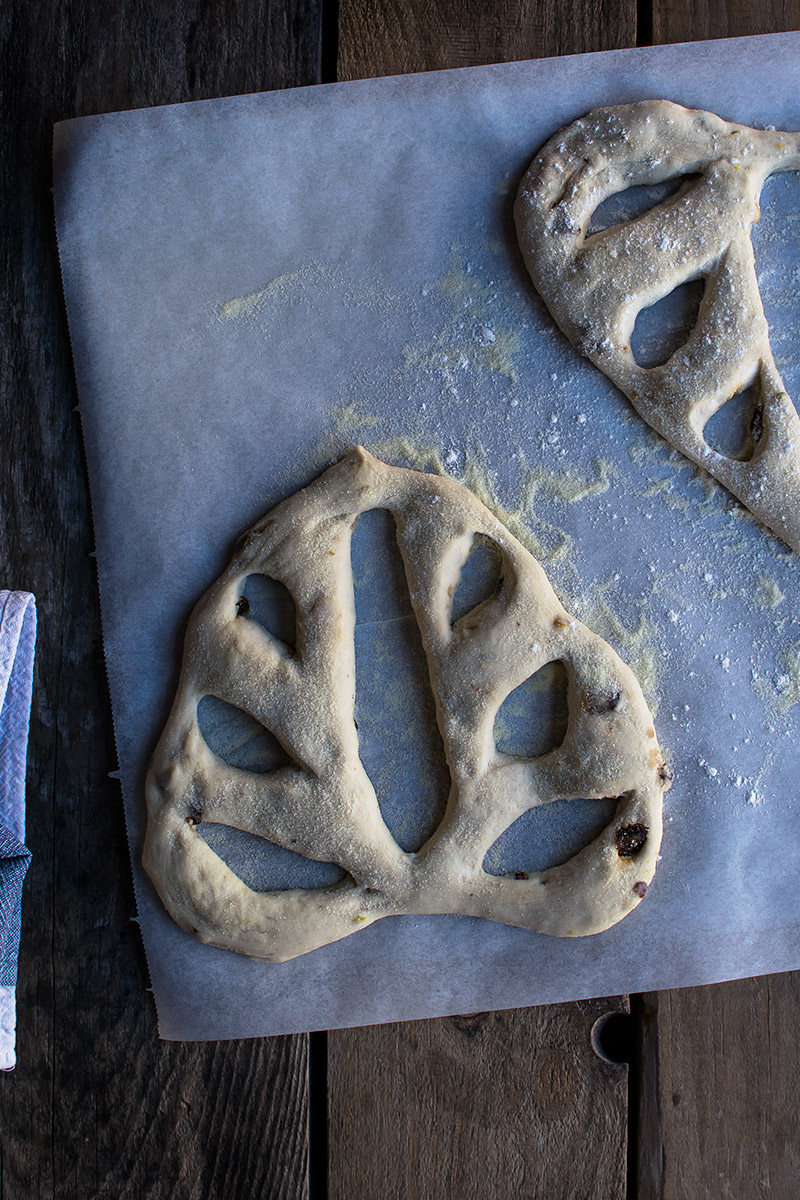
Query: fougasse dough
[324, 806]
[595, 285]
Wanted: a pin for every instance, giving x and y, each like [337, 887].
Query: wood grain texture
[97, 1107]
[694, 20]
[392, 37]
[721, 1072]
[506, 1104]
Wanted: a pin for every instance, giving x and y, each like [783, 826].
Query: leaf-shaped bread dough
[324, 806]
[596, 285]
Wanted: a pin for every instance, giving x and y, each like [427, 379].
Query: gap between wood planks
[329, 42]
[317, 1116]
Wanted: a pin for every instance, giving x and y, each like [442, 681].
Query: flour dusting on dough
[598, 283]
[323, 806]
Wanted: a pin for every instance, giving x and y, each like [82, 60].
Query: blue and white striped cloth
[17, 642]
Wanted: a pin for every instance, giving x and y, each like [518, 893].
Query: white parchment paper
[253, 284]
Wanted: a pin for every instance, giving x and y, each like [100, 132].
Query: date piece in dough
[324, 806]
[596, 285]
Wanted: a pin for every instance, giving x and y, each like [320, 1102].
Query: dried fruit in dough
[323, 805]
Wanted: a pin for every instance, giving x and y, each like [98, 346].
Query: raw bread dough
[596, 285]
[324, 806]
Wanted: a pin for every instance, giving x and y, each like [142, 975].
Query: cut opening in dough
[775, 238]
[736, 429]
[635, 201]
[239, 739]
[547, 836]
[663, 328]
[532, 720]
[480, 578]
[263, 865]
[379, 576]
[399, 742]
[269, 603]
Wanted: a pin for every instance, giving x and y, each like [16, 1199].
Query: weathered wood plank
[97, 1106]
[720, 1071]
[685, 21]
[478, 1107]
[392, 37]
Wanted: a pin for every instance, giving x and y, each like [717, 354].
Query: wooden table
[502, 1105]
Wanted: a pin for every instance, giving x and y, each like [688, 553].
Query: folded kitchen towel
[17, 641]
